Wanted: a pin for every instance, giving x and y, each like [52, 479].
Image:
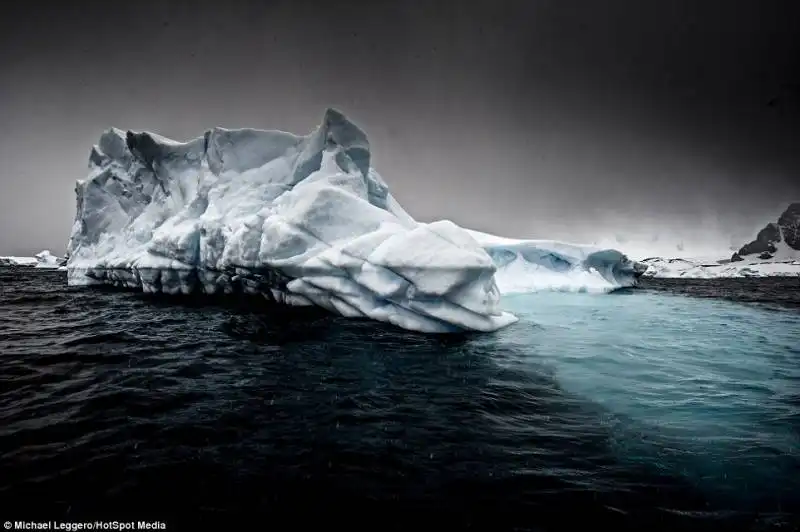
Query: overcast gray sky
[528, 118]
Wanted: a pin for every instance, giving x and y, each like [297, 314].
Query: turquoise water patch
[701, 388]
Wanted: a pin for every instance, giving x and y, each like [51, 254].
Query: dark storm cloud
[526, 118]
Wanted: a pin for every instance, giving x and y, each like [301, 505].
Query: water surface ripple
[645, 409]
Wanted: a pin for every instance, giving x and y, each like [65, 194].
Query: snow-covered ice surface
[689, 269]
[784, 262]
[302, 220]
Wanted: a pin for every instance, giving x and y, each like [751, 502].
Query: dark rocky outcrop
[765, 241]
[787, 229]
[789, 223]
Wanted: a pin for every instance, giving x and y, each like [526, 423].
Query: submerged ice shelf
[302, 220]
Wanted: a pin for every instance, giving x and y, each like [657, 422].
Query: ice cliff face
[302, 220]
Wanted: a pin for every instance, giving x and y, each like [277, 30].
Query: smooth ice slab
[301, 220]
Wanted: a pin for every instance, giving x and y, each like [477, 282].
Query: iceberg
[537, 265]
[300, 220]
[42, 260]
[11, 261]
[46, 260]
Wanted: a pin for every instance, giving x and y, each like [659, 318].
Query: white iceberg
[46, 260]
[302, 220]
[547, 265]
[42, 260]
[18, 261]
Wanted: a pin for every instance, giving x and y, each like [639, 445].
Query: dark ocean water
[672, 406]
[774, 291]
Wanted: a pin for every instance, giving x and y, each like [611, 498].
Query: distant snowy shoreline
[42, 260]
[775, 252]
[659, 267]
